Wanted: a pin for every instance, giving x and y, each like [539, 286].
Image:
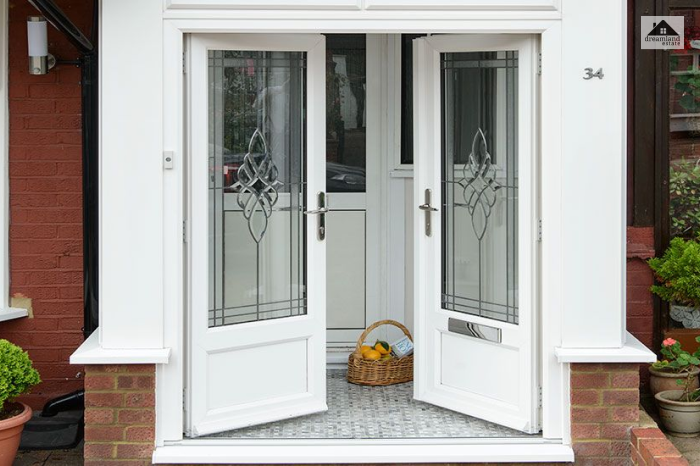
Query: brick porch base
[120, 414]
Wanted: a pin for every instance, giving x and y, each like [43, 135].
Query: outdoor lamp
[40, 60]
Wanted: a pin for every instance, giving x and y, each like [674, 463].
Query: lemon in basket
[365, 348]
[383, 347]
[372, 355]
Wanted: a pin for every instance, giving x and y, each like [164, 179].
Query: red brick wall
[650, 447]
[46, 203]
[120, 416]
[640, 302]
[604, 408]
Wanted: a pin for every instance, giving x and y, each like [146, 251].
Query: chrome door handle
[428, 209]
[317, 211]
[321, 212]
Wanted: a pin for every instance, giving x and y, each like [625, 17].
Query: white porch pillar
[593, 174]
[131, 204]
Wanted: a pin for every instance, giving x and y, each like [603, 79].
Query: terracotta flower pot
[679, 417]
[661, 381]
[10, 433]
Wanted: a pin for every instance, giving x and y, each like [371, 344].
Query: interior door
[258, 266]
[475, 226]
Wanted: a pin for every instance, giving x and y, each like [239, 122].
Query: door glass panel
[346, 116]
[256, 188]
[480, 184]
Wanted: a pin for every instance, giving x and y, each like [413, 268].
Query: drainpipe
[89, 65]
[89, 79]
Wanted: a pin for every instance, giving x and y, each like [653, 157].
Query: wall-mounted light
[40, 60]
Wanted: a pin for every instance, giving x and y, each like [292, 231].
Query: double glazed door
[475, 228]
[259, 215]
[257, 171]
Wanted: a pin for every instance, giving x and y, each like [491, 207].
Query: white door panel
[258, 278]
[475, 269]
[346, 271]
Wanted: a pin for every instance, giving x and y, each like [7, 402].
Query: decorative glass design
[257, 107]
[257, 187]
[480, 184]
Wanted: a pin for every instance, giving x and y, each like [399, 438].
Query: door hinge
[539, 230]
[539, 64]
[184, 62]
[184, 399]
[184, 231]
[539, 397]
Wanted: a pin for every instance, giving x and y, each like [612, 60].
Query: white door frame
[170, 377]
[342, 341]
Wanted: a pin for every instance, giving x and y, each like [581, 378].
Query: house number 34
[590, 74]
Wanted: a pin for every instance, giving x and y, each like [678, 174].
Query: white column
[131, 175]
[593, 174]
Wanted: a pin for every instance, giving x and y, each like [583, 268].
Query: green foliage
[688, 86]
[684, 188]
[17, 376]
[678, 361]
[678, 273]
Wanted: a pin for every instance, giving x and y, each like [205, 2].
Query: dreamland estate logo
[663, 32]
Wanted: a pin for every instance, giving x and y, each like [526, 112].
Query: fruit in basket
[365, 348]
[383, 347]
[372, 355]
[386, 357]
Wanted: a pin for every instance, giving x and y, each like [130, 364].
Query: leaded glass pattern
[480, 184]
[257, 107]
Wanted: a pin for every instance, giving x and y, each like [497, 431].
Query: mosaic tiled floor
[356, 412]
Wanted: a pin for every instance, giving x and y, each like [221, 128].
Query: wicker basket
[388, 372]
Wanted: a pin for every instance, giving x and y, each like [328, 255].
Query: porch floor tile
[358, 412]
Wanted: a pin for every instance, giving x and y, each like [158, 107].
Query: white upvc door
[476, 226]
[257, 218]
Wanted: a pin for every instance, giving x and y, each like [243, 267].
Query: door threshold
[337, 358]
[207, 451]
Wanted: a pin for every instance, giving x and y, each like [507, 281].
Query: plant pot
[680, 418]
[686, 315]
[661, 381]
[10, 433]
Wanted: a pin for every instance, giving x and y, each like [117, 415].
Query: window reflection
[346, 115]
[684, 140]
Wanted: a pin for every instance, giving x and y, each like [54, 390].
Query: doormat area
[358, 412]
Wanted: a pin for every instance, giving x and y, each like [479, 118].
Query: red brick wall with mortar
[640, 301]
[604, 408]
[46, 203]
[650, 447]
[120, 413]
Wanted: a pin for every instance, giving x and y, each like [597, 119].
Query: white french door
[475, 226]
[257, 215]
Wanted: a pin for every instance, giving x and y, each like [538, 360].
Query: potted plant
[678, 367]
[679, 410]
[678, 274]
[17, 377]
